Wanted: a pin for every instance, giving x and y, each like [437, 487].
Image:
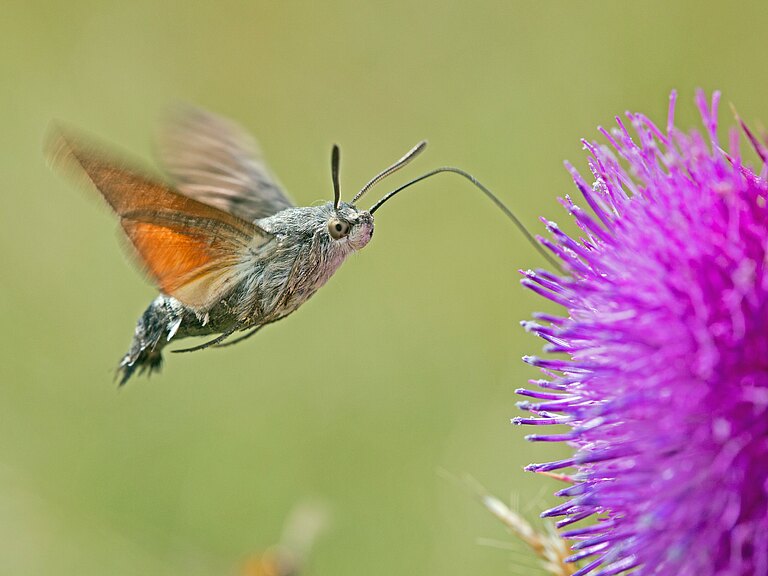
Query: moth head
[348, 225]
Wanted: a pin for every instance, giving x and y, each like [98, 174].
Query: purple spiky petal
[662, 366]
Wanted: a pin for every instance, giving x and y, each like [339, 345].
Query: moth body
[277, 277]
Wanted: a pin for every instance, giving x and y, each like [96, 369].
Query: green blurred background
[396, 375]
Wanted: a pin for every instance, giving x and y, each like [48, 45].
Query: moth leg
[205, 345]
[240, 338]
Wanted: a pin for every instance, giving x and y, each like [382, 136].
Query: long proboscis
[495, 199]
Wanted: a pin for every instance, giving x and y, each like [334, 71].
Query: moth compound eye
[338, 228]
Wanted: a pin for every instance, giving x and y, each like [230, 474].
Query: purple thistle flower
[662, 376]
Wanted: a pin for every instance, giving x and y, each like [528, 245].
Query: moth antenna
[495, 199]
[410, 155]
[335, 159]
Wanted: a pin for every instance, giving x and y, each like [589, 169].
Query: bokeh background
[399, 375]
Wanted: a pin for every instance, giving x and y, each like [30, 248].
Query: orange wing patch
[191, 268]
[170, 256]
[193, 260]
[191, 250]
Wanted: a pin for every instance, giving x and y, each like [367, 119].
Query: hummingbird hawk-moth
[225, 245]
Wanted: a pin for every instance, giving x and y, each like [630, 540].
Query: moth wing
[192, 251]
[211, 159]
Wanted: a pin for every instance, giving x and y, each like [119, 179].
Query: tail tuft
[147, 361]
[150, 336]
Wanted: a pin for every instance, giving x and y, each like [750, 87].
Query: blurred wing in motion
[214, 161]
[193, 252]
